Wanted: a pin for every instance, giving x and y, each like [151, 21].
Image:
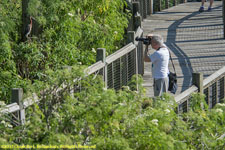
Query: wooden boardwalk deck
[195, 40]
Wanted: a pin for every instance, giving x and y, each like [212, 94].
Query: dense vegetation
[64, 33]
[122, 120]
[67, 32]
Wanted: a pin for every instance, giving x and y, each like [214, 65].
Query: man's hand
[149, 35]
[146, 57]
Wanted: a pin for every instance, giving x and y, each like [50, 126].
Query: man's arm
[146, 57]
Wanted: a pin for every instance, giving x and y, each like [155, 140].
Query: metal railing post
[148, 7]
[17, 96]
[159, 5]
[136, 11]
[223, 88]
[167, 4]
[208, 97]
[136, 8]
[197, 80]
[141, 2]
[131, 38]
[101, 56]
[217, 92]
[131, 19]
[144, 9]
[137, 21]
[174, 2]
[224, 19]
[151, 10]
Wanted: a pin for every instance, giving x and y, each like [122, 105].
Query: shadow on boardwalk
[181, 55]
[195, 40]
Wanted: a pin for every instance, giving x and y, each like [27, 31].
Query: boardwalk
[195, 40]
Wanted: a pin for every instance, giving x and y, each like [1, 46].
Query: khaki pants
[160, 86]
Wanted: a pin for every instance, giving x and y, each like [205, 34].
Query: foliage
[75, 29]
[109, 119]
[64, 33]
[69, 32]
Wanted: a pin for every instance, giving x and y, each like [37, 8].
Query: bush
[64, 33]
[111, 119]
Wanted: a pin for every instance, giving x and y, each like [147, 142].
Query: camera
[146, 41]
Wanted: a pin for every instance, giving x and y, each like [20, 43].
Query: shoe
[201, 9]
[209, 9]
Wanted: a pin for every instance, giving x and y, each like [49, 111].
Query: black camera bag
[172, 78]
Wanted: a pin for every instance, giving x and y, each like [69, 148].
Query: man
[160, 62]
[201, 9]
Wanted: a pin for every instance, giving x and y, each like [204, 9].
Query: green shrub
[110, 119]
[64, 33]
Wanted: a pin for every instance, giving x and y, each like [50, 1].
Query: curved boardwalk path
[195, 40]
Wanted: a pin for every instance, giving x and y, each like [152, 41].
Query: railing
[213, 87]
[165, 4]
[224, 19]
[148, 7]
[116, 69]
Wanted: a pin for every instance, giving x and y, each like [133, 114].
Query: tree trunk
[25, 19]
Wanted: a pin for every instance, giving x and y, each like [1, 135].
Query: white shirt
[160, 62]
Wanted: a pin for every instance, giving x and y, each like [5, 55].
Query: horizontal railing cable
[213, 88]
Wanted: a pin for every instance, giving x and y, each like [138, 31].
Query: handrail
[141, 7]
[15, 107]
[126, 49]
[30, 100]
[91, 69]
[186, 94]
[213, 97]
[209, 80]
[95, 67]
[10, 108]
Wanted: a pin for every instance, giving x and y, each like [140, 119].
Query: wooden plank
[95, 67]
[30, 100]
[181, 97]
[15, 107]
[195, 40]
[10, 108]
[123, 51]
[214, 77]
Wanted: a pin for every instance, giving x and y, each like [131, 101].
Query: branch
[221, 137]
